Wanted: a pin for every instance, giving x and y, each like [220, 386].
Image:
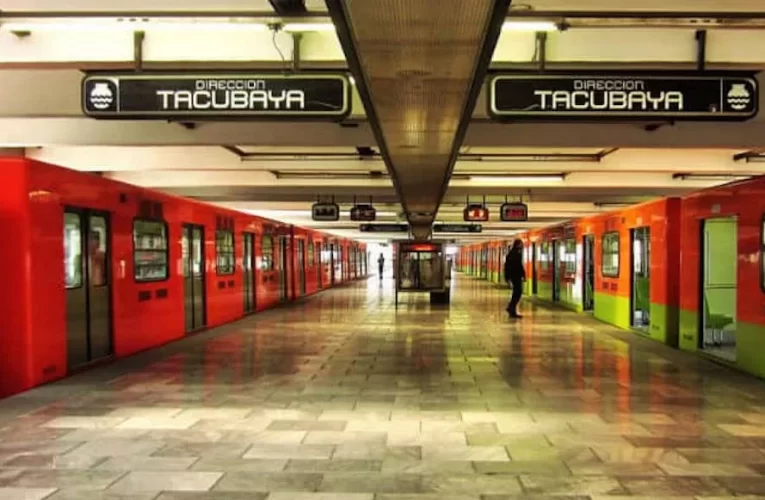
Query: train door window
[248, 266]
[589, 273]
[544, 257]
[610, 253]
[192, 247]
[557, 250]
[640, 278]
[719, 284]
[311, 254]
[301, 266]
[534, 284]
[88, 288]
[283, 273]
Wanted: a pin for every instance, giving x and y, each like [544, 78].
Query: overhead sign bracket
[541, 50]
[701, 50]
[138, 39]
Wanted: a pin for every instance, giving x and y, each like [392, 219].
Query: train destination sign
[215, 96]
[384, 228]
[598, 96]
[457, 228]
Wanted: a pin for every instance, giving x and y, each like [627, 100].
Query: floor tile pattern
[343, 397]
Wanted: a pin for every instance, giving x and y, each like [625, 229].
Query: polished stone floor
[343, 397]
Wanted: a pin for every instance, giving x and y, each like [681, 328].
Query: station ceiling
[278, 169]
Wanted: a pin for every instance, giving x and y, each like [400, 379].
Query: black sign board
[514, 212]
[457, 228]
[475, 213]
[384, 228]
[215, 96]
[599, 96]
[325, 212]
[363, 213]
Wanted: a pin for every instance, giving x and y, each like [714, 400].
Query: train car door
[640, 279]
[331, 274]
[301, 266]
[534, 259]
[319, 264]
[719, 272]
[283, 274]
[556, 260]
[248, 264]
[588, 283]
[88, 286]
[337, 260]
[193, 254]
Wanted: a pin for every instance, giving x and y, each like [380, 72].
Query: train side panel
[745, 202]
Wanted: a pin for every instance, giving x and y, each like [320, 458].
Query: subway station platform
[343, 397]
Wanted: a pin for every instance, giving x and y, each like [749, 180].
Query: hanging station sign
[325, 212]
[475, 213]
[363, 213]
[514, 212]
[215, 96]
[384, 228]
[598, 96]
[457, 228]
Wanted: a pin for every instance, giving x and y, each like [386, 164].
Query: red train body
[239, 264]
[688, 272]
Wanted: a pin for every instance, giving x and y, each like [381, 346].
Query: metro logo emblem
[475, 213]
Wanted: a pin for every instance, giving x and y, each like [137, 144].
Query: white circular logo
[739, 97]
[101, 96]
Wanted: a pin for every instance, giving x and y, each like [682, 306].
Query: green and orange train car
[688, 272]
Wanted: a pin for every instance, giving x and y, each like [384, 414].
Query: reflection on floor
[341, 397]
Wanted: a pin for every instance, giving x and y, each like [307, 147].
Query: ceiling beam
[289, 8]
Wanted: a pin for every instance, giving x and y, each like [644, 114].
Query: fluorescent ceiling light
[529, 26]
[518, 179]
[304, 213]
[712, 177]
[302, 27]
[112, 25]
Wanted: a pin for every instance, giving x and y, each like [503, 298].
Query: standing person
[515, 275]
[380, 264]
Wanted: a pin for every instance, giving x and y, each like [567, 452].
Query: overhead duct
[419, 67]
[289, 8]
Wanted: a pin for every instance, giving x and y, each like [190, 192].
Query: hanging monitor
[363, 213]
[475, 213]
[325, 212]
[514, 212]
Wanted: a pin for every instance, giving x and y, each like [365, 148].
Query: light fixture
[712, 177]
[111, 25]
[529, 26]
[302, 213]
[517, 179]
[308, 27]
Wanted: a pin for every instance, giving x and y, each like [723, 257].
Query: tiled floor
[343, 398]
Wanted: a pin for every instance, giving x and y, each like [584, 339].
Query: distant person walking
[515, 275]
[380, 265]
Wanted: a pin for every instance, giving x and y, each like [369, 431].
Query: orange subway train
[96, 269]
[688, 272]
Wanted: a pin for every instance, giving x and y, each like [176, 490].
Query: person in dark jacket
[515, 275]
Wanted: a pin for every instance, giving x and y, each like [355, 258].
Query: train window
[311, 255]
[569, 256]
[150, 250]
[267, 254]
[97, 267]
[610, 253]
[544, 256]
[224, 252]
[72, 251]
